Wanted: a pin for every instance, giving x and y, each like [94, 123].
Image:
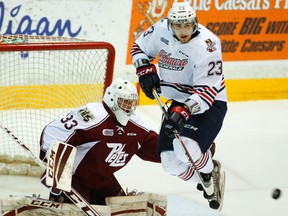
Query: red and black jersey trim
[206, 93]
[137, 50]
[187, 89]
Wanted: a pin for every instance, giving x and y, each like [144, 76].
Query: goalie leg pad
[138, 205]
[35, 206]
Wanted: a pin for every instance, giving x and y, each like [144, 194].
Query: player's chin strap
[207, 186]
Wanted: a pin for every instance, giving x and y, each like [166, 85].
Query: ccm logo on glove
[181, 111]
[146, 70]
[149, 80]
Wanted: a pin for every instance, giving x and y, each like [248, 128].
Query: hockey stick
[73, 195]
[208, 187]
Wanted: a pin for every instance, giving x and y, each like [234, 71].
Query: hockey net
[41, 79]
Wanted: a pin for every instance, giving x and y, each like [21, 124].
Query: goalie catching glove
[149, 79]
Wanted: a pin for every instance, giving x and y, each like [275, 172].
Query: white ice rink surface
[253, 149]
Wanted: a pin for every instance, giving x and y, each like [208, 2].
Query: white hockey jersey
[191, 70]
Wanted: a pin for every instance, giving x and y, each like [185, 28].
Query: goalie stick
[208, 187]
[73, 195]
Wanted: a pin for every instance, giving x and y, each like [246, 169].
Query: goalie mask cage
[43, 78]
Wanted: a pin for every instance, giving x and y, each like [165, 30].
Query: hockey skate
[216, 202]
[207, 178]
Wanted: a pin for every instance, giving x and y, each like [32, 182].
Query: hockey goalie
[83, 149]
[102, 139]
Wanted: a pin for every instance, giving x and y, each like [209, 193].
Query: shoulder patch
[211, 45]
[85, 114]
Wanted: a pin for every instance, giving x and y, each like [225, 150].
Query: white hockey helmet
[122, 98]
[182, 12]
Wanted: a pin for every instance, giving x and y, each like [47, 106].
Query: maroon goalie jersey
[103, 145]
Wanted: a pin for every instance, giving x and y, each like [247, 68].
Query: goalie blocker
[61, 157]
[139, 205]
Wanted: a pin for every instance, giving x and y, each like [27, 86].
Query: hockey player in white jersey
[191, 75]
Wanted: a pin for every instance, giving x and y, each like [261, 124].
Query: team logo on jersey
[108, 132]
[168, 62]
[211, 45]
[117, 156]
[85, 114]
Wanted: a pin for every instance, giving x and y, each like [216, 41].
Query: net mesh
[41, 79]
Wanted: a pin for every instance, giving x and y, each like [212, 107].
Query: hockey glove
[149, 79]
[176, 120]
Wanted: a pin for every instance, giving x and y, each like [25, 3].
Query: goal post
[43, 78]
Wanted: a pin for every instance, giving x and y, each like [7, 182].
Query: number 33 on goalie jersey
[103, 145]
